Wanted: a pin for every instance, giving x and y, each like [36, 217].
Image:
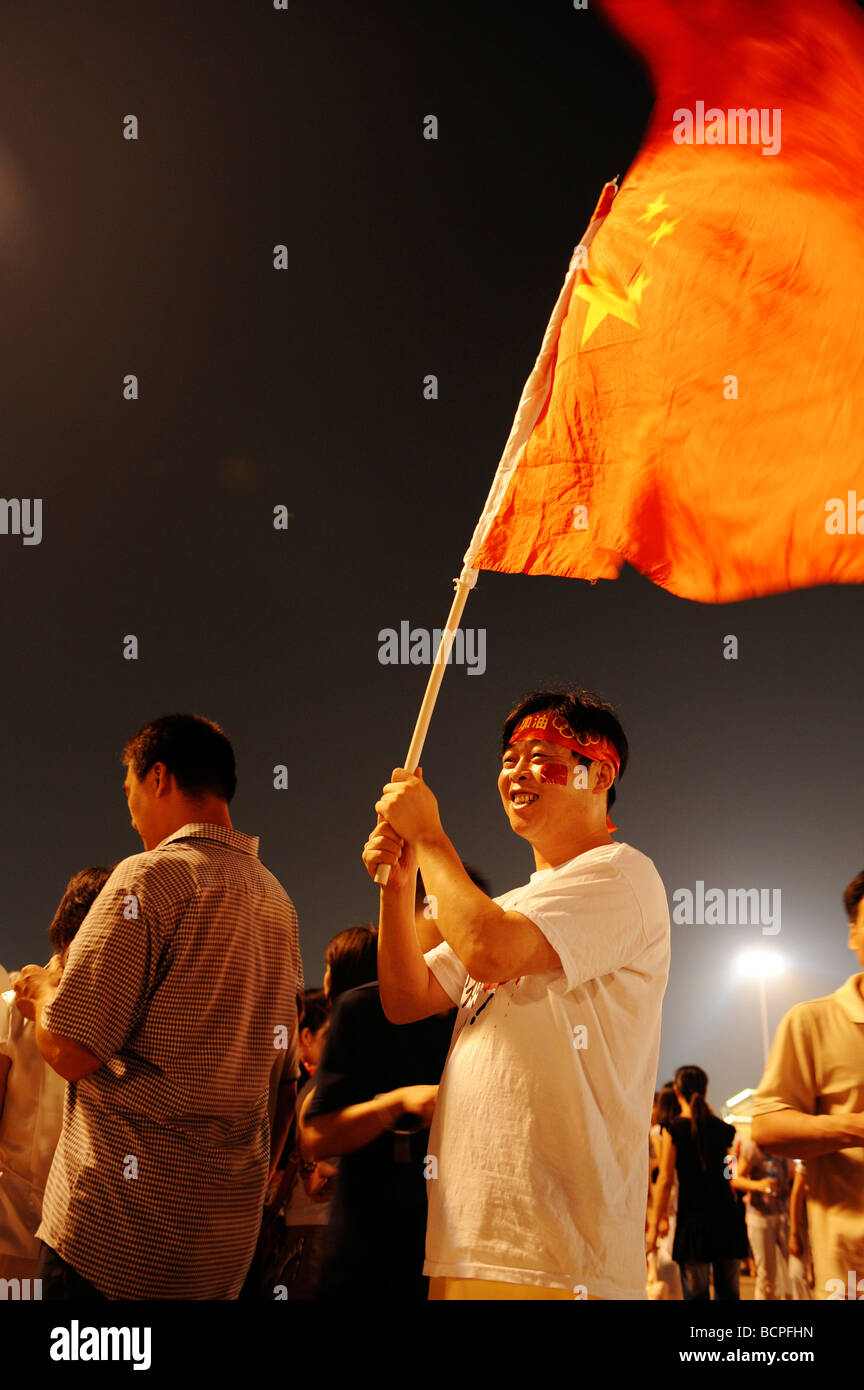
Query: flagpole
[533, 399]
[464, 584]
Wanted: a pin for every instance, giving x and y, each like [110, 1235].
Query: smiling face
[541, 784]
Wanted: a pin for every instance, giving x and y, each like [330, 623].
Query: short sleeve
[448, 970]
[346, 1069]
[111, 968]
[594, 923]
[789, 1082]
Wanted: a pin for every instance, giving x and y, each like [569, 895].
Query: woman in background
[710, 1232]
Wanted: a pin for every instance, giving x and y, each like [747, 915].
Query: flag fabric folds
[697, 407]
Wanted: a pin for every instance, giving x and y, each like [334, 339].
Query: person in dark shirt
[291, 1241]
[373, 1102]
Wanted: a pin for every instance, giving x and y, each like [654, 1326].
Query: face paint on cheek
[553, 772]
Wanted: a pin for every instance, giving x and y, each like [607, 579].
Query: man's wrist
[432, 839]
[395, 890]
[851, 1129]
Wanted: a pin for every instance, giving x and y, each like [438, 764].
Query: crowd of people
[458, 1113]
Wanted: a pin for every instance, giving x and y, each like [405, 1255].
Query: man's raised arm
[490, 943]
[408, 989]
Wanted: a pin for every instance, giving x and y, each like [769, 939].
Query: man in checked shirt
[177, 999]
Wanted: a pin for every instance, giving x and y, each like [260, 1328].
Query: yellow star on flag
[665, 229]
[604, 298]
[652, 209]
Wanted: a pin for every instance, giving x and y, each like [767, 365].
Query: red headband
[553, 728]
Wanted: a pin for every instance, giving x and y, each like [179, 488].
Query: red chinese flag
[697, 408]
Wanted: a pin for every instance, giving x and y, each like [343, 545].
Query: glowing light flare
[761, 965]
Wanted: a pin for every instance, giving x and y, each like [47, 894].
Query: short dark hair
[312, 1009]
[585, 712]
[82, 890]
[853, 895]
[353, 958]
[195, 750]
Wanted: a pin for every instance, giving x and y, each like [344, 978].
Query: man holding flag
[539, 1132]
[682, 417]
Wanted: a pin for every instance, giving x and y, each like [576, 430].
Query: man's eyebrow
[531, 743]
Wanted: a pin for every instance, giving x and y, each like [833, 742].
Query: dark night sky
[304, 387]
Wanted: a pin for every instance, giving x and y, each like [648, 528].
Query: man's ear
[605, 776]
[162, 779]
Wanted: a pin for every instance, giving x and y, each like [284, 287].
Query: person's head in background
[180, 770]
[426, 909]
[351, 959]
[691, 1089]
[666, 1106]
[82, 890]
[853, 901]
[313, 1016]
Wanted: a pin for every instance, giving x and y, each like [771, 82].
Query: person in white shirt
[538, 1186]
[31, 1096]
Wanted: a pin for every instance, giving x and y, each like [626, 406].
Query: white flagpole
[464, 584]
[533, 399]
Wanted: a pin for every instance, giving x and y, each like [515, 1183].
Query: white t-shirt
[29, 1129]
[542, 1119]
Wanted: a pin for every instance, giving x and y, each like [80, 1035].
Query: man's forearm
[793, 1134]
[466, 918]
[403, 975]
[69, 1059]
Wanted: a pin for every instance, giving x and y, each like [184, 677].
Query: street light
[761, 966]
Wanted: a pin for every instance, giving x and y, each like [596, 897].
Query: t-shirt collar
[850, 998]
[542, 873]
